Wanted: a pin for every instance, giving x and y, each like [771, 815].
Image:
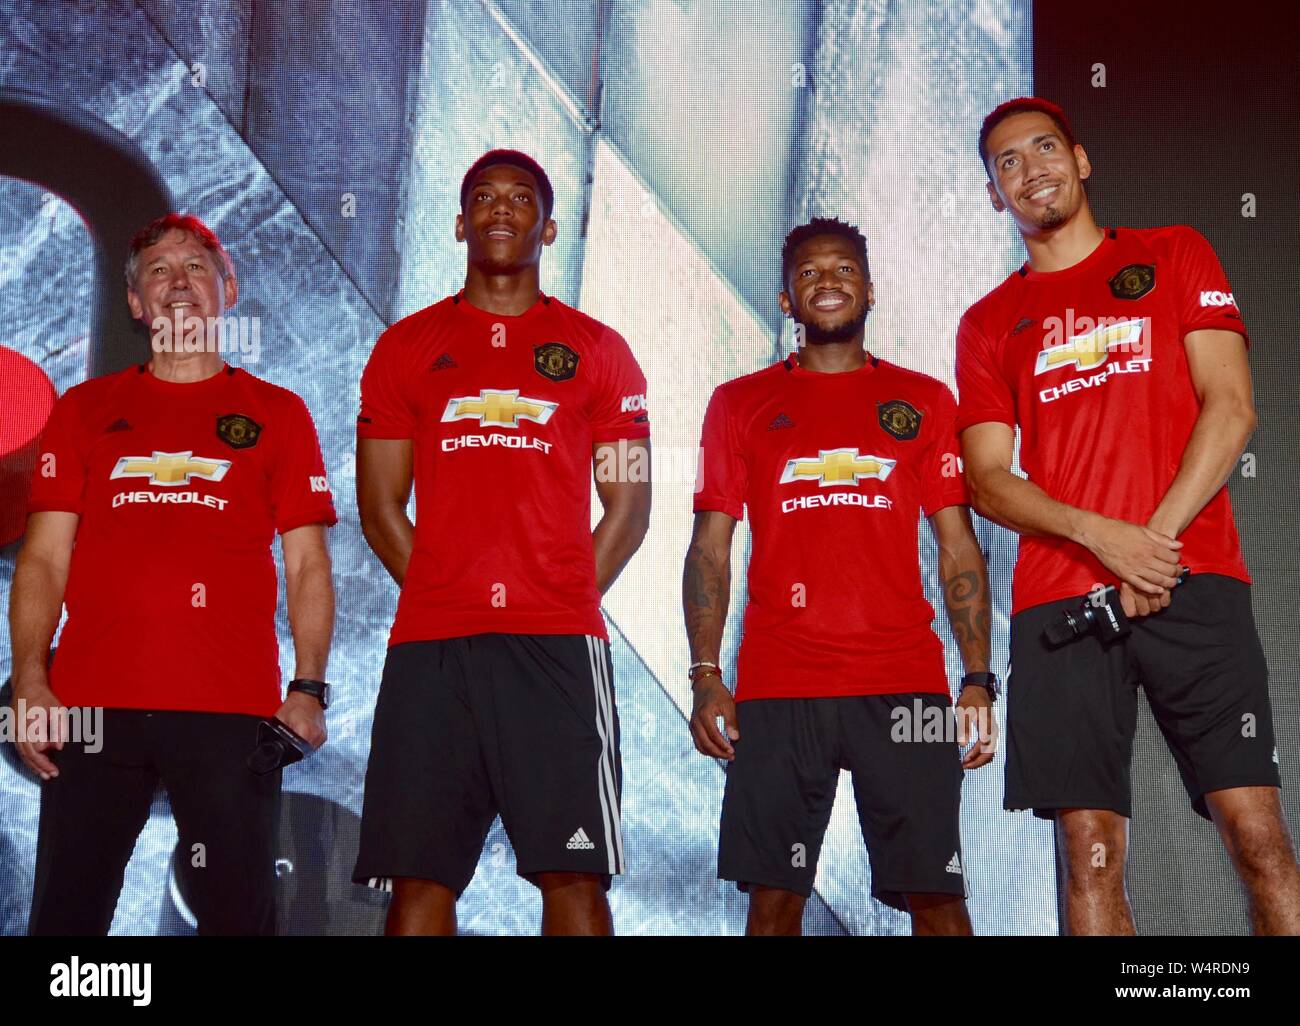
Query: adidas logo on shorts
[580, 841]
[954, 864]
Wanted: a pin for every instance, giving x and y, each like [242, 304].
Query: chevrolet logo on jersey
[835, 468]
[171, 468]
[1090, 350]
[499, 408]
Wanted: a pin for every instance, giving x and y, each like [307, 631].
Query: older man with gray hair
[156, 499]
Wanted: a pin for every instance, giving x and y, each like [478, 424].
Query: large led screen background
[324, 142]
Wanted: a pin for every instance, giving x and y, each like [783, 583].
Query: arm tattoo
[706, 587]
[699, 583]
[966, 596]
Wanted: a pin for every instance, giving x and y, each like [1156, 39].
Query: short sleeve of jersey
[985, 393]
[944, 483]
[618, 406]
[723, 478]
[59, 480]
[300, 494]
[1206, 299]
[386, 409]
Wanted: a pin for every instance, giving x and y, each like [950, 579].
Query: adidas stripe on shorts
[518, 725]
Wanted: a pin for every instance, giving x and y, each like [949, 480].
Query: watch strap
[985, 680]
[318, 689]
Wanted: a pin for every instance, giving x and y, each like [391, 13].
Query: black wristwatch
[987, 681]
[318, 689]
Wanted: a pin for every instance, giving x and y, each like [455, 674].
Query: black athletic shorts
[517, 725]
[781, 786]
[1072, 710]
[93, 811]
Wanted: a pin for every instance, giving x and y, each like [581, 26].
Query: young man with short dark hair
[835, 454]
[1121, 356]
[497, 694]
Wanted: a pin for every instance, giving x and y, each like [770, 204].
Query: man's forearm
[614, 541]
[309, 594]
[706, 592]
[35, 606]
[1023, 507]
[1213, 450]
[391, 536]
[966, 597]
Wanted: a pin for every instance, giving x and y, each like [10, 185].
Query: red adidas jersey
[180, 489]
[834, 470]
[503, 412]
[1090, 363]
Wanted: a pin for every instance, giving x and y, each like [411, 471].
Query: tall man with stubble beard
[497, 695]
[835, 454]
[1121, 356]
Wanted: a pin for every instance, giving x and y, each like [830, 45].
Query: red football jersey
[180, 489]
[834, 470]
[1090, 363]
[503, 412]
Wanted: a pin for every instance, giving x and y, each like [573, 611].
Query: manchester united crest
[1133, 281]
[555, 360]
[238, 431]
[901, 419]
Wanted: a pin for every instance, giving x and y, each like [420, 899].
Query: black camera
[277, 747]
[1100, 613]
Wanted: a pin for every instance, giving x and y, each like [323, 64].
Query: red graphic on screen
[26, 396]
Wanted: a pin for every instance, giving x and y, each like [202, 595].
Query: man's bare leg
[774, 912]
[420, 908]
[574, 905]
[1254, 831]
[1092, 845]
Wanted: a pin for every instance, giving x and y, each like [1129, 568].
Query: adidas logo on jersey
[781, 421]
[580, 841]
[444, 362]
[1021, 325]
[954, 865]
[118, 425]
